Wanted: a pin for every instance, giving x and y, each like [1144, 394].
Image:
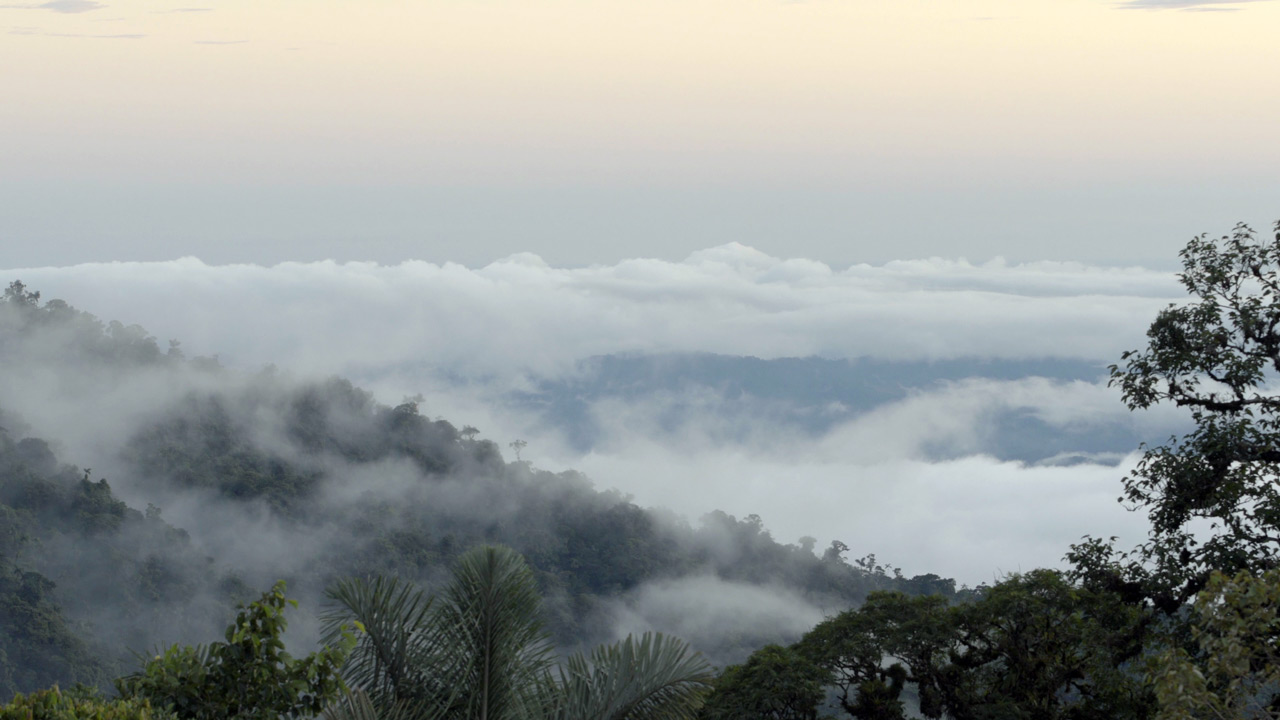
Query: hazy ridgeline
[208, 484]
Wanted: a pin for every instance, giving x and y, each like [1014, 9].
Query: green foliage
[776, 682]
[58, 524]
[397, 637]
[38, 492]
[492, 629]
[1037, 646]
[652, 677]
[248, 676]
[871, 652]
[38, 648]
[1216, 356]
[53, 704]
[1032, 646]
[1233, 672]
[478, 650]
[202, 444]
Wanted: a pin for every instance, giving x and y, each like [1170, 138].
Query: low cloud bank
[926, 482]
[521, 315]
[972, 519]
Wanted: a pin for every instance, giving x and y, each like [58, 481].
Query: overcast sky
[586, 132]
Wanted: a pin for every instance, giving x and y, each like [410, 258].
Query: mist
[944, 417]
[911, 479]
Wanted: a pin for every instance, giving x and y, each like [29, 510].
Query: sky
[845, 131]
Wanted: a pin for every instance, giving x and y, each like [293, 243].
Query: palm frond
[396, 637]
[653, 677]
[491, 617]
[355, 704]
[479, 652]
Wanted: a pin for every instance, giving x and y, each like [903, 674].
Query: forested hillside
[223, 481]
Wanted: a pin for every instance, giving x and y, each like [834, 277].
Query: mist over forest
[890, 407]
[755, 508]
[204, 484]
[208, 476]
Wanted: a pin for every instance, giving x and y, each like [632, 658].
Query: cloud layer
[520, 314]
[912, 481]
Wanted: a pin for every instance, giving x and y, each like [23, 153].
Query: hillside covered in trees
[222, 482]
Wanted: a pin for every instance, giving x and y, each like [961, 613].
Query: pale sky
[587, 132]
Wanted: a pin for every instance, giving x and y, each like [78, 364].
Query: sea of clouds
[464, 338]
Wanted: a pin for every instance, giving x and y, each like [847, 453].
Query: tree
[248, 676]
[38, 646]
[871, 652]
[776, 683]
[53, 704]
[1037, 646]
[1217, 356]
[17, 294]
[478, 651]
[1032, 646]
[1235, 671]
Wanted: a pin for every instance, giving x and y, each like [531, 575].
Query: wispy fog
[705, 610]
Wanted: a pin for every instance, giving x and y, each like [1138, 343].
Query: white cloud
[869, 482]
[972, 518]
[520, 314]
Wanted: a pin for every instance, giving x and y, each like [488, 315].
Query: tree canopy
[1033, 645]
[1218, 357]
[250, 675]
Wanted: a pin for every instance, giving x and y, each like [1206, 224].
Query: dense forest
[435, 578]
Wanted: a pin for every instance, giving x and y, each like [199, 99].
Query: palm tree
[478, 651]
